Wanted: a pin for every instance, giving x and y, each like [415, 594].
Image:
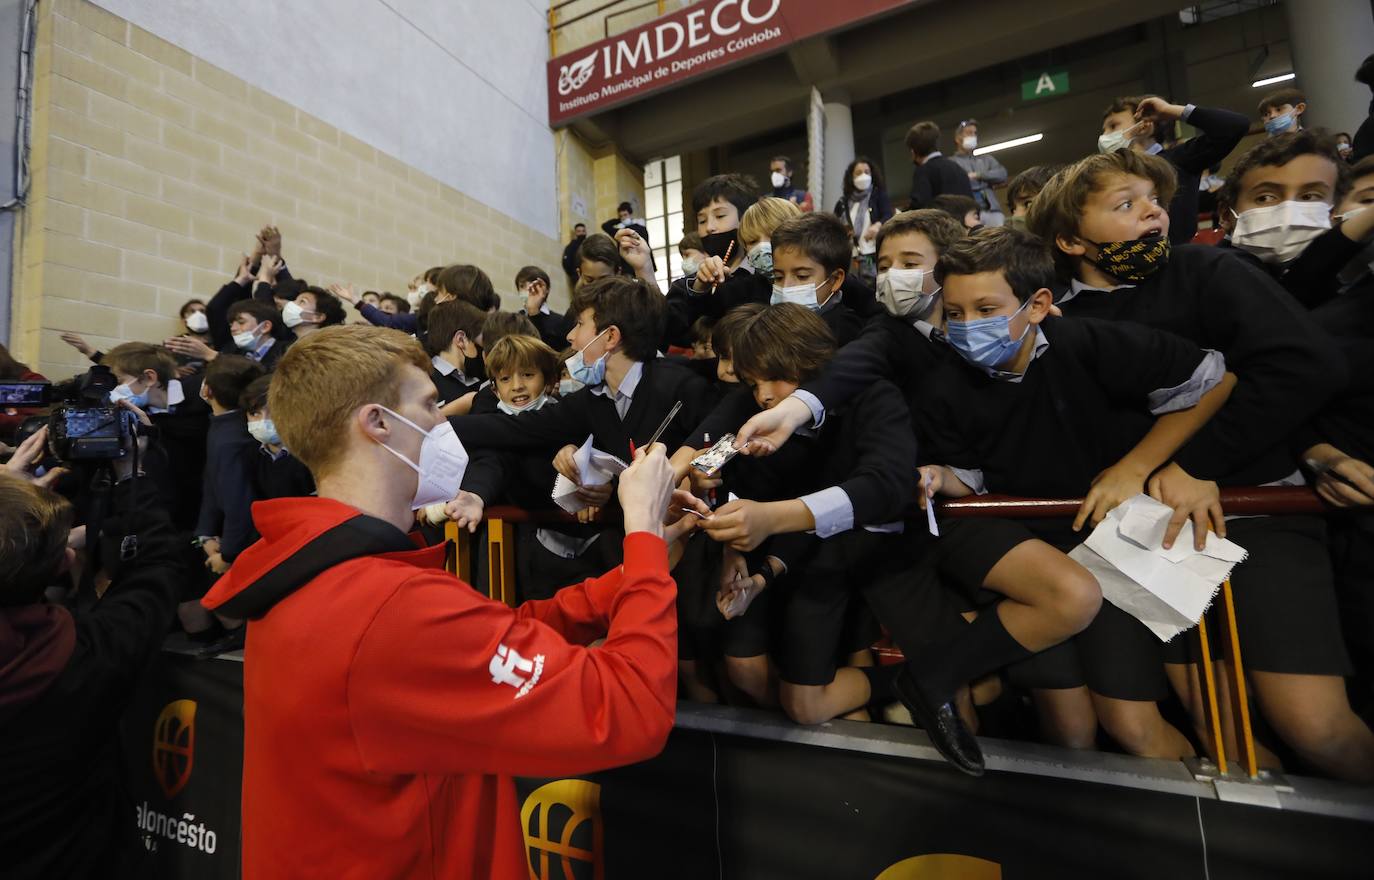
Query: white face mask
[971, 142]
[443, 461]
[901, 292]
[1113, 141]
[536, 404]
[246, 341]
[862, 182]
[264, 432]
[1278, 233]
[293, 314]
[690, 266]
[779, 180]
[569, 386]
[196, 322]
[801, 294]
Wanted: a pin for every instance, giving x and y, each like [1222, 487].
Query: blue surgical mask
[536, 404]
[126, 392]
[588, 374]
[264, 432]
[1279, 124]
[986, 342]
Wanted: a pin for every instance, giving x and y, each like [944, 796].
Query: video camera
[82, 425]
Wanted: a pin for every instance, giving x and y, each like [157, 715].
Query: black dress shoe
[947, 731]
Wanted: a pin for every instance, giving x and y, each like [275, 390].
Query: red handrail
[1249, 501]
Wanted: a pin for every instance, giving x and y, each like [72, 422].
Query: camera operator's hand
[124, 467]
[26, 458]
[78, 342]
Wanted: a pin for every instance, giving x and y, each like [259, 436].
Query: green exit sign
[1046, 85]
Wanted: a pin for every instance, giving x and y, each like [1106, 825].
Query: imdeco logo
[174, 746]
[572, 77]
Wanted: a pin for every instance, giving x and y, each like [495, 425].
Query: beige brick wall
[152, 170]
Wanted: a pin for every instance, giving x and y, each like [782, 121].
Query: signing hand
[646, 488]
[685, 514]
[1191, 498]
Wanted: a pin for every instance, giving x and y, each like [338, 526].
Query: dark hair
[942, 229]
[954, 204]
[728, 327]
[447, 318]
[629, 305]
[10, 368]
[1280, 150]
[187, 305]
[691, 241]
[1028, 183]
[1024, 260]
[583, 225]
[228, 375]
[499, 325]
[254, 397]
[601, 248]
[1361, 168]
[470, 284]
[701, 329]
[1276, 99]
[786, 163]
[740, 190]
[923, 138]
[822, 237]
[531, 273]
[329, 305]
[1130, 105]
[624, 206]
[876, 186]
[402, 304]
[1365, 72]
[431, 275]
[259, 311]
[785, 341]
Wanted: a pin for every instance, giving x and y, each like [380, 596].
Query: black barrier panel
[789, 810]
[183, 746]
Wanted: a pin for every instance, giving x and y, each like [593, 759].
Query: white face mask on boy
[1279, 233]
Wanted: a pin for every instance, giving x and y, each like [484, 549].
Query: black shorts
[817, 631]
[968, 549]
[1285, 597]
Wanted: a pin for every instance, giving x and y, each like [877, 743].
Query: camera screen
[17, 394]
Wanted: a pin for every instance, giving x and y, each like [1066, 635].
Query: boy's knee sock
[984, 646]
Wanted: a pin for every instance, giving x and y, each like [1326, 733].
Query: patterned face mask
[1134, 260]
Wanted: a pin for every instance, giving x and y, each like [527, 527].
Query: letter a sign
[1049, 84]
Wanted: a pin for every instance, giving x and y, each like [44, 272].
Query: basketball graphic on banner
[943, 866]
[563, 831]
[174, 743]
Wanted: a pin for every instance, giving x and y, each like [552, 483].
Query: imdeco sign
[697, 39]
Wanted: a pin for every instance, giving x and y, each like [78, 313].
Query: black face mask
[1132, 261]
[717, 244]
[475, 367]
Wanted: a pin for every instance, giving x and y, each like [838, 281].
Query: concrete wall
[153, 167]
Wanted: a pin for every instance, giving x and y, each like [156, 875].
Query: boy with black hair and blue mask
[1053, 408]
[1104, 220]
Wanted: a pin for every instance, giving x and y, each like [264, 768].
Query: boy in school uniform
[811, 254]
[451, 343]
[226, 521]
[274, 471]
[1103, 216]
[847, 485]
[719, 203]
[1282, 110]
[935, 174]
[1048, 407]
[533, 284]
[1024, 187]
[1145, 123]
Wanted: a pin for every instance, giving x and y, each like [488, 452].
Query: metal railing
[501, 522]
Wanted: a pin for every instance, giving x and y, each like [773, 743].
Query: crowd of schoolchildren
[821, 378]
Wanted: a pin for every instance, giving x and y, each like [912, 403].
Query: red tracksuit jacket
[387, 704]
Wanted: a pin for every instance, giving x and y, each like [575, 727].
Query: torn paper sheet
[596, 468]
[1167, 590]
